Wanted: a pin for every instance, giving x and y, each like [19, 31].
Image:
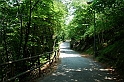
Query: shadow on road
[74, 68]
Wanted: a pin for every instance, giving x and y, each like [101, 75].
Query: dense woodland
[28, 28]
[32, 27]
[108, 19]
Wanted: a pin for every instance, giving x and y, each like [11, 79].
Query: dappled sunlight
[89, 68]
[58, 73]
[69, 55]
[74, 80]
[89, 73]
[96, 80]
[64, 45]
[75, 68]
[109, 69]
[81, 74]
[109, 78]
[65, 51]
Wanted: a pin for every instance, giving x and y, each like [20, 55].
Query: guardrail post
[58, 53]
[11, 74]
[55, 55]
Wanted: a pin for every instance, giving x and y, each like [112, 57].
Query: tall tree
[28, 28]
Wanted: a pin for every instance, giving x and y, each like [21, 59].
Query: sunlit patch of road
[75, 68]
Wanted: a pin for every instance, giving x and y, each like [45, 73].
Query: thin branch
[35, 5]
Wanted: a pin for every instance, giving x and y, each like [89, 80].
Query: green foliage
[79, 24]
[29, 28]
[109, 26]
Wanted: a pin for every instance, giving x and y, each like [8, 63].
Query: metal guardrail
[51, 57]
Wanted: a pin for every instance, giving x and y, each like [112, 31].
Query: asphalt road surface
[74, 68]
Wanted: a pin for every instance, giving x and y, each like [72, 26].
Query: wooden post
[58, 52]
[55, 55]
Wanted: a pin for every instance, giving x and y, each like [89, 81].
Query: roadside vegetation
[28, 28]
[107, 17]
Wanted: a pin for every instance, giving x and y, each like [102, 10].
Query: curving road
[74, 68]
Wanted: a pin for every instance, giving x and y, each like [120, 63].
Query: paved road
[74, 68]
